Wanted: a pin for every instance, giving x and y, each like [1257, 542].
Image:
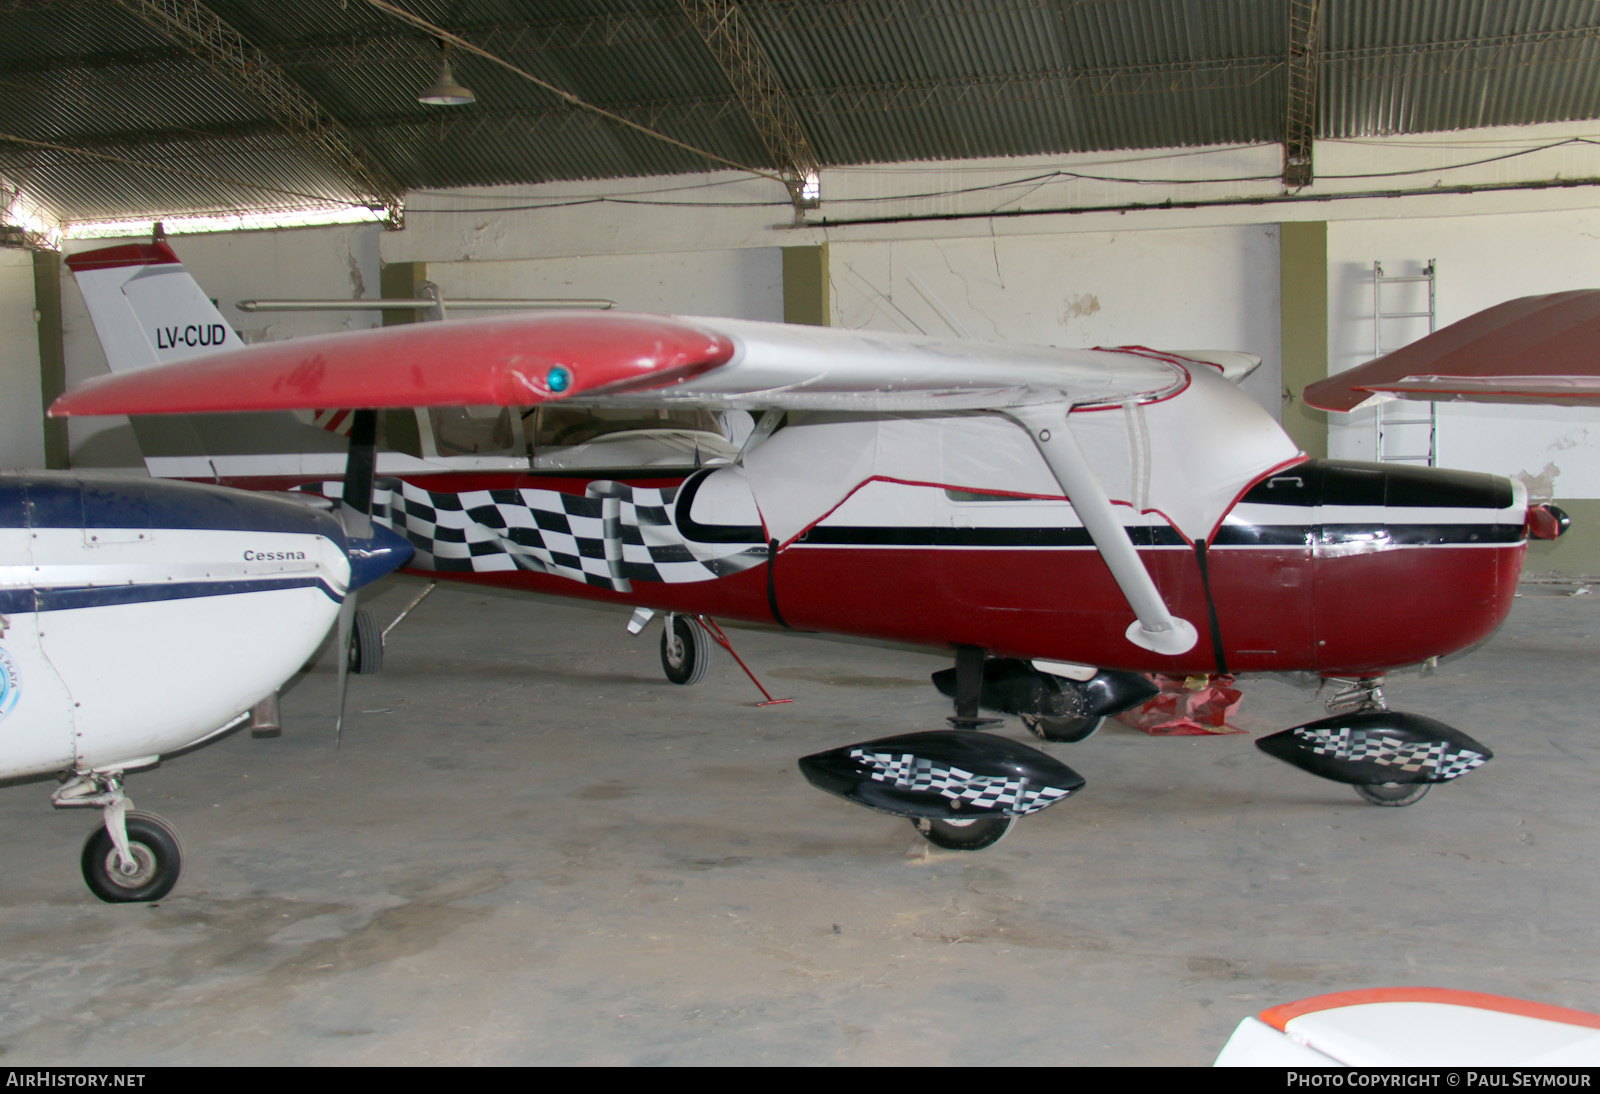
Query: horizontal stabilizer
[1234, 365]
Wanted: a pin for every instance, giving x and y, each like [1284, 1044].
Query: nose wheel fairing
[1378, 748]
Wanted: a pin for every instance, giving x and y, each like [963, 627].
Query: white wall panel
[1192, 288]
[737, 284]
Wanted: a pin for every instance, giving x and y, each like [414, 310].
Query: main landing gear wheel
[971, 834]
[685, 650]
[366, 645]
[1066, 730]
[1391, 794]
[157, 860]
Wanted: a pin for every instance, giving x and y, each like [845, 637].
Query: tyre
[157, 856]
[366, 644]
[685, 650]
[1391, 794]
[1067, 729]
[972, 834]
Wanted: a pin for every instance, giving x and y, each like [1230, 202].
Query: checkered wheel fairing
[943, 775]
[1386, 750]
[993, 793]
[1373, 747]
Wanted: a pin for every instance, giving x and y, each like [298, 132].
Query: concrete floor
[531, 849]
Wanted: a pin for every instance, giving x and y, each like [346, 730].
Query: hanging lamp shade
[445, 91]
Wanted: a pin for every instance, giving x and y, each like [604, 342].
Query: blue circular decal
[10, 684]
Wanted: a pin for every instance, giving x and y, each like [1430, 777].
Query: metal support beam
[1300, 125]
[755, 83]
[225, 52]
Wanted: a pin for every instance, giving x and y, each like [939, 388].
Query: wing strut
[1157, 628]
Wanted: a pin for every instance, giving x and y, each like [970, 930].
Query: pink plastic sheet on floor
[1188, 706]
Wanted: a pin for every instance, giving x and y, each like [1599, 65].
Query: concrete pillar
[1303, 317]
[806, 298]
[401, 281]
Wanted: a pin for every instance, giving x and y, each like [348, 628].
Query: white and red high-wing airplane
[1415, 1028]
[141, 617]
[1063, 520]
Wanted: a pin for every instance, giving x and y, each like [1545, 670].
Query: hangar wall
[1186, 288]
[745, 283]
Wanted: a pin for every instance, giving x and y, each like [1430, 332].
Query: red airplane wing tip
[1280, 1016]
[517, 361]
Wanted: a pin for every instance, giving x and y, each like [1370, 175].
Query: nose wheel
[1391, 794]
[132, 857]
[147, 871]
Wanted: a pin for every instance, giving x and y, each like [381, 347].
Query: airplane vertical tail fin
[146, 307]
[149, 311]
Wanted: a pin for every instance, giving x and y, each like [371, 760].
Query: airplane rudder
[146, 307]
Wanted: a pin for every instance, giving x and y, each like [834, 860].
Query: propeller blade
[355, 511]
[347, 616]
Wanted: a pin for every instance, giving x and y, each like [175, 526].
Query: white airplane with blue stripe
[139, 617]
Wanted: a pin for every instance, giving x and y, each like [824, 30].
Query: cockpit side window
[474, 431]
[559, 425]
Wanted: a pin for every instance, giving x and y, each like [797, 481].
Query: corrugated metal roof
[106, 112]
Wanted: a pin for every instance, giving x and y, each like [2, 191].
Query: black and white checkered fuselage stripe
[910, 772]
[1383, 750]
[610, 536]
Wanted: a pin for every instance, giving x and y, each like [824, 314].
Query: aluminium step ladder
[1406, 433]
